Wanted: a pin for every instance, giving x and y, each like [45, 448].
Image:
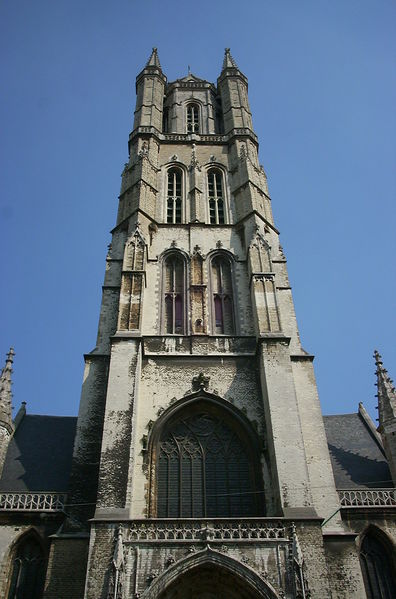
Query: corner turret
[386, 413]
[150, 86]
[233, 88]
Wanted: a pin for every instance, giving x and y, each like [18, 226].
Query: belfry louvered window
[205, 469]
[378, 571]
[222, 304]
[174, 295]
[216, 197]
[192, 118]
[174, 197]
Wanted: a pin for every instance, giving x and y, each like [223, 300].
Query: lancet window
[192, 118]
[206, 467]
[28, 570]
[216, 197]
[174, 198]
[378, 571]
[174, 283]
[165, 120]
[222, 296]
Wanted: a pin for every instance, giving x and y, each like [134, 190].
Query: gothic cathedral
[201, 466]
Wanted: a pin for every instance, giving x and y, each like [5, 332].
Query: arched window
[192, 118]
[28, 570]
[378, 571]
[174, 295]
[165, 120]
[174, 198]
[206, 466]
[216, 197]
[222, 304]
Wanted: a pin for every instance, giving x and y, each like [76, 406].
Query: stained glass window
[222, 296]
[204, 470]
[377, 568]
[28, 570]
[174, 290]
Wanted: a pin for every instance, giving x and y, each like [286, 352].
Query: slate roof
[356, 456]
[39, 454]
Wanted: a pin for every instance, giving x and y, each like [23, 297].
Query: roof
[39, 454]
[357, 458]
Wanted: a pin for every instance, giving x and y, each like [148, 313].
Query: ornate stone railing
[367, 498]
[32, 502]
[241, 529]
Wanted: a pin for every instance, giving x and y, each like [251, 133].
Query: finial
[229, 62]
[189, 69]
[154, 61]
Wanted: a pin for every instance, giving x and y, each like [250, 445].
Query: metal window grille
[174, 202]
[216, 199]
[204, 470]
[174, 295]
[192, 118]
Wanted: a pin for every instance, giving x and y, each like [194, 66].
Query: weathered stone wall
[66, 570]
[149, 562]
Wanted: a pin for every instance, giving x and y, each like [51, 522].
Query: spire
[386, 393]
[5, 391]
[154, 61]
[229, 62]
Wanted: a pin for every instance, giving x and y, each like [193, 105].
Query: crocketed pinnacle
[154, 61]
[5, 390]
[229, 62]
[386, 392]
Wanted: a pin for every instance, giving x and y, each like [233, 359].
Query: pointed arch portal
[210, 575]
[208, 582]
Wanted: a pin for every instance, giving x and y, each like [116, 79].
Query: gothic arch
[27, 566]
[222, 293]
[174, 292]
[377, 554]
[212, 213]
[204, 434]
[175, 165]
[235, 576]
[190, 125]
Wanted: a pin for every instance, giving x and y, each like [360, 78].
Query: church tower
[200, 460]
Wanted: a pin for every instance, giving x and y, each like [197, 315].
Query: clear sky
[323, 94]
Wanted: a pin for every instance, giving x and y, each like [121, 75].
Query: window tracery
[28, 570]
[192, 118]
[377, 568]
[174, 196]
[205, 468]
[216, 197]
[222, 296]
[174, 295]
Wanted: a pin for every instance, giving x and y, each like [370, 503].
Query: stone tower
[200, 457]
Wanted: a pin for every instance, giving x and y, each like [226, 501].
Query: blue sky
[322, 92]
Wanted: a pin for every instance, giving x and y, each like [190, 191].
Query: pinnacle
[229, 62]
[154, 61]
[386, 391]
[5, 389]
